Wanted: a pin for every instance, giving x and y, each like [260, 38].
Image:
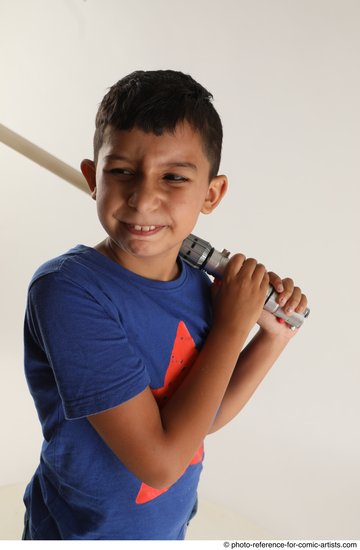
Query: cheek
[184, 209]
[192, 200]
[106, 200]
[104, 207]
[100, 201]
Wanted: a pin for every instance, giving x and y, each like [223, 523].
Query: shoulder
[73, 277]
[66, 264]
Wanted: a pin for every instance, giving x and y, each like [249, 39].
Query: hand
[241, 295]
[290, 298]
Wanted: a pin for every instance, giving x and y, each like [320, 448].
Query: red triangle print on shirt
[182, 358]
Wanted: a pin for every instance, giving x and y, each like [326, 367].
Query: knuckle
[251, 261]
[237, 258]
[233, 267]
[274, 277]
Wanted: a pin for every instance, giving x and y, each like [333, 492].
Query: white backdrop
[285, 77]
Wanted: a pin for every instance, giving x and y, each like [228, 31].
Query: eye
[175, 178]
[120, 171]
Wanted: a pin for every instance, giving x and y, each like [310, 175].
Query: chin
[142, 249]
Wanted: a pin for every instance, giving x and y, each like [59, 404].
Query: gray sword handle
[202, 255]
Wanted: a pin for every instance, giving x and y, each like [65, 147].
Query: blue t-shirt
[95, 336]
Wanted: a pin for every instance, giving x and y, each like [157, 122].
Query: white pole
[42, 157]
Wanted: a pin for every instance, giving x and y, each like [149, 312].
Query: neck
[155, 268]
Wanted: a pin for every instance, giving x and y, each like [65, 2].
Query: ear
[216, 191]
[89, 171]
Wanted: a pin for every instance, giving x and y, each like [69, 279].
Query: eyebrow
[116, 157]
[180, 164]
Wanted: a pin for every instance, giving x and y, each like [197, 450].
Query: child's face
[150, 191]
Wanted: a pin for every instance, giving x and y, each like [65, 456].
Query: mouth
[143, 230]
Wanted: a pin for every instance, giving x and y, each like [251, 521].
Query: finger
[302, 304]
[233, 267]
[265, 281]
[248, 267]
[288, 290]
[276, 281]
[260, 273]
[293, 301]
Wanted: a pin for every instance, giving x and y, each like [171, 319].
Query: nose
[144, 196]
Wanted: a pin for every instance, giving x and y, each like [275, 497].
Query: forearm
[190, 412]
[254, 363]
[157, 444]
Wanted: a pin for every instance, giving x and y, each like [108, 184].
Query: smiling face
[150, 191]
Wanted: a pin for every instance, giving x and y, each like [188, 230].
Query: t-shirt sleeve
[86, 346]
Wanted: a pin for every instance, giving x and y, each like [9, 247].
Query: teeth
[144, 227]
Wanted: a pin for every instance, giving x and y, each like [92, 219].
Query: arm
[254, 363]
[157, 445]
[260, 354]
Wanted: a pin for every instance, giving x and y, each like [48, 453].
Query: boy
[129, 364]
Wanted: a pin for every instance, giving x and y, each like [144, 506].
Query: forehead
[184, 144]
